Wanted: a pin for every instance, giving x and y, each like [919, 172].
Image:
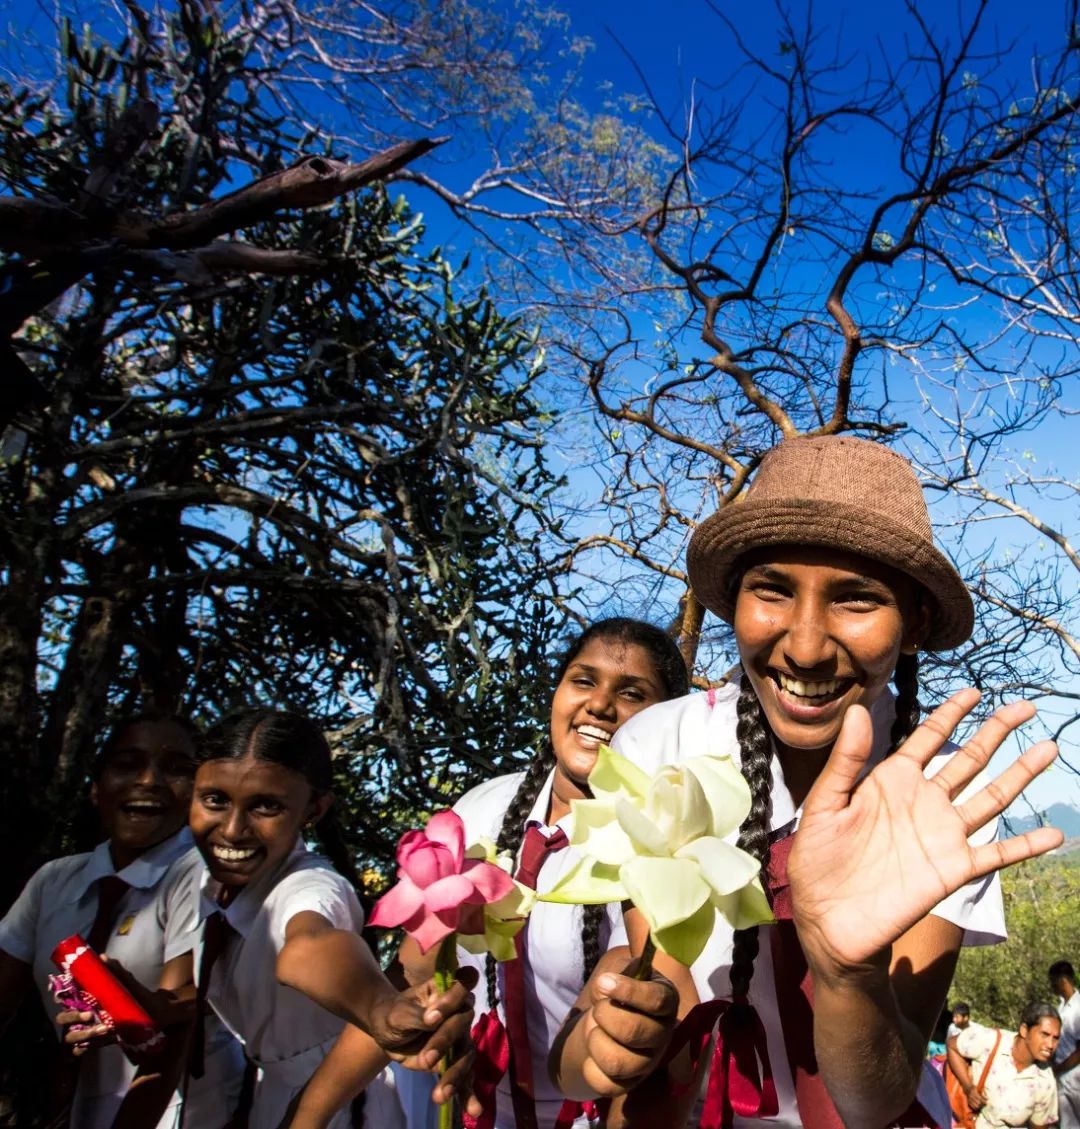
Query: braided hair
[670, 668]
[755, 750]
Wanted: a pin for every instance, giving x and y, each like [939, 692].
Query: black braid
[755, 751]
[906, 680]
[590, 937]
[513, 831]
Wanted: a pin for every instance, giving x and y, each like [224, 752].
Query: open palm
[874, 856]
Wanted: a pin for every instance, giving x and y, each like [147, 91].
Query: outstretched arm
[356, 1058]
[336, 969]
[871, 859]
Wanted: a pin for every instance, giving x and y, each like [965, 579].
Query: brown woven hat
[837, 492]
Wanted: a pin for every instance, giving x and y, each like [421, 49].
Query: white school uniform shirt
[61, 899]
[668, 732]
[1069, 1010]
[284, 1033]
[1068, 1084]
[554, 961]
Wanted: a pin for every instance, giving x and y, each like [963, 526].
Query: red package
[114, 1005]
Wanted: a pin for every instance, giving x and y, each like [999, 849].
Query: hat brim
[720, 540]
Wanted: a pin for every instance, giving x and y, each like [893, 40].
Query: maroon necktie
[216, 934]
[534, 851]
[795, 997]
[110, 890]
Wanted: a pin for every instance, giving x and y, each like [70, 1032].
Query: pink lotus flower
[437, 884]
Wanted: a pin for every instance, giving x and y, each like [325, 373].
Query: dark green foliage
[1042, 911]
[322, 489]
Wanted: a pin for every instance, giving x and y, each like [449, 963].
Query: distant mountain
[1064, 816]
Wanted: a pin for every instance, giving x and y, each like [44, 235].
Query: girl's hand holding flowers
[444, 894]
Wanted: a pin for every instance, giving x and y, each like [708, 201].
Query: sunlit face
[246, 816]
[1042, 1039]
[606, 684]
[143, 789]
[819, 630]
[960, 1020]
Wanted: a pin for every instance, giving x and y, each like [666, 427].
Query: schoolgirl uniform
[704, 725]
[554, 966]
[61, 899]
[285, 1035]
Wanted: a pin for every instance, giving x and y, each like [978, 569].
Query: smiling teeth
[232, 854]
[593, 733]
[807, 689]
[144, 805]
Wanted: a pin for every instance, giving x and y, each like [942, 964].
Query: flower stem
[445, 968]
[644, 968]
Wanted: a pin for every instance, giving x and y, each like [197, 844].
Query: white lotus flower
[659, 842]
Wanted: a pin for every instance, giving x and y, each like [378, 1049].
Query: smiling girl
[611, 672]
[877, 847]
[141, 787]
[270, 932]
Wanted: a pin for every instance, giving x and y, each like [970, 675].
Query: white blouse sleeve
[18, 930]
[976, 907]
[315, 889]
[179, 898]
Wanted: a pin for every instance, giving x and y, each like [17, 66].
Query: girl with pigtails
[612, 671]
[876, 835]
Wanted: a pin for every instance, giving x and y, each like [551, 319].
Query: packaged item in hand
[85, 983]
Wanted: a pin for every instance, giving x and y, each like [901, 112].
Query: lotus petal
[724, 867]
[448, 893]
[491, 882]
[613, 776]
[686, 941]
[746, 907]
[446, 827]
[646, 837]
[667, 891]
[397, 905]
[726, 792]
[425, 862]
[588, 882]
[431, 931]
[595, 824]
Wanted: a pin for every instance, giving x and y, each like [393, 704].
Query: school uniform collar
[537, 816]
[144, 873]
[241, 912]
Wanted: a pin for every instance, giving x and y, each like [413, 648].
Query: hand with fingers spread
[873, 856]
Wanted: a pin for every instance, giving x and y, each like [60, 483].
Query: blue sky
[683, 52]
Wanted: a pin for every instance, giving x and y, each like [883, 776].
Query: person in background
[1067, 1059]
[1019, 1087]
[961, 1019]
[141, 787]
